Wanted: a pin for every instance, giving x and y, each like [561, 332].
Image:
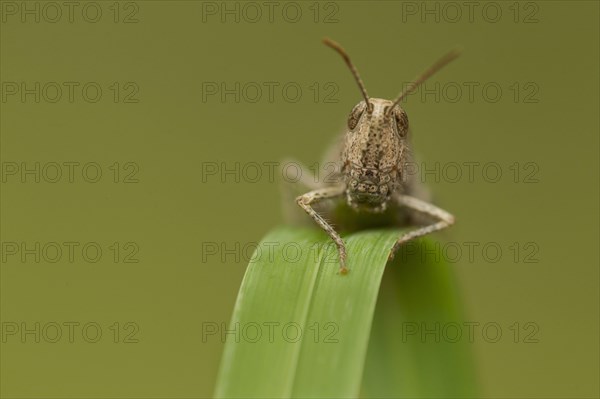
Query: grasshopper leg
[296, 179]
[444, 218]
[305, 201]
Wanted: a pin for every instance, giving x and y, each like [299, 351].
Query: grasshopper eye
[355, 115]
[401, 121]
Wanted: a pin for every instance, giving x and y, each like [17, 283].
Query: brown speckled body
[371, 163]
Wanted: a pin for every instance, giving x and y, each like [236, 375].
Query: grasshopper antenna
[439, 64]
[336, 46]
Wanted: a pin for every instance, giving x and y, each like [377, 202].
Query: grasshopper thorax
[375, 146]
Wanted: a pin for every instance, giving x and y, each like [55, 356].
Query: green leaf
[300, 329]
[419, 345]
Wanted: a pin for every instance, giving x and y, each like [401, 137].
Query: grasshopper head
[375, 147]
[375, 144]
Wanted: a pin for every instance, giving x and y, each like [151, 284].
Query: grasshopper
[372, 159]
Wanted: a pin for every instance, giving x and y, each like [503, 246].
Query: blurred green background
[156, 62]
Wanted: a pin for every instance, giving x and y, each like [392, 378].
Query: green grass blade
[344, 303]
[308, 294]
[419, 344]
[291, 286]
[274, 290]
